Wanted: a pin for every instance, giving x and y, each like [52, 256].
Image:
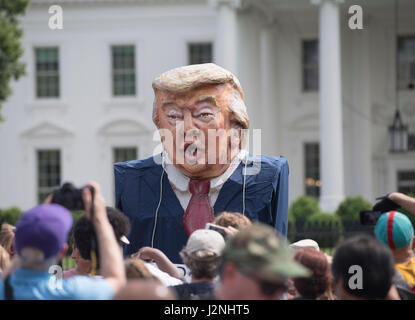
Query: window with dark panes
[123, 71]
[312, 169]
[125, 154]
[310, 65]
[411, 141]
[406, 181]
[200, 53]
[48, 172]
[406, 62]
[47, 72]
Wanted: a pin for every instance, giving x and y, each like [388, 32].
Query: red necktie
[198, 211]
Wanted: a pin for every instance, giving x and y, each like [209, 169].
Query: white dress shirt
[180, 183]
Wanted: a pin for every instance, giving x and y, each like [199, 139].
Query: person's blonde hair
[136, 269]
[4, 259]
[7, 236]
[232, 219]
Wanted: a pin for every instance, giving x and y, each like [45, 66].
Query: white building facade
[322, 94]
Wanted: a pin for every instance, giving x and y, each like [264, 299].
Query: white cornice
[46, 129]
[88, 2]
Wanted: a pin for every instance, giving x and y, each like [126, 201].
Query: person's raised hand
[231, 231]
[149, 254]
[48, 199]
[385, 204]
[99, 202]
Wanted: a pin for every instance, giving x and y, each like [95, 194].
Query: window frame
[43, 191]
[190, 44]
[57, 72]
[124, 148]
[405, 183]
[306, 67]
[410, 64]
[115, 72]
[315, 172]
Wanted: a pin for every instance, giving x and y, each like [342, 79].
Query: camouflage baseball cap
[257, 250]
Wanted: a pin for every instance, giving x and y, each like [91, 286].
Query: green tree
[10, 46]
[10, 215]
[350, 208]
[303, 207]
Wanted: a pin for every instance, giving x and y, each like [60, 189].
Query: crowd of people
[248, 260]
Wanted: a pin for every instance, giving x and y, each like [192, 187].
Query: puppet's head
[200, 113]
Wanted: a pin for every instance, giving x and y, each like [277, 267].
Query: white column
[360, 134]
[226, 44]
[269, 108]
[331, 124]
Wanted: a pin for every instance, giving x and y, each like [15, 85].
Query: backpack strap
[183, 291]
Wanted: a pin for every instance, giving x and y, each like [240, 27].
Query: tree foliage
[349, 208]
[303, 207]
[10, 46]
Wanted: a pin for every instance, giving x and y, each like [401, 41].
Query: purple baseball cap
[45, 227]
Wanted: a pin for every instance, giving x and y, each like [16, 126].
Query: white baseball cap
[207, 240]
[305, 243]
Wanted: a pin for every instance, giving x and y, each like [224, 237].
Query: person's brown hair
[7, 236]
[136, 269]
[232, 219]
[318, 283]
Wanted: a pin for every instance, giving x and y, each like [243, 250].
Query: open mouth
[192, 152]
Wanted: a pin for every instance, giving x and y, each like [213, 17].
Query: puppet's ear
[235, 136]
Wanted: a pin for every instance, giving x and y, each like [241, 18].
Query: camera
[369, 218]
[216, 228]
[70, 197]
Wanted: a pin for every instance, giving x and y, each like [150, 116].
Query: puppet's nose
[188, 122]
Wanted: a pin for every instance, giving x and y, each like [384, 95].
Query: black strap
[8, 290]
[184, 291]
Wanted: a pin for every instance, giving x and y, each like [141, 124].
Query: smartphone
[216, 228]
[369, 218]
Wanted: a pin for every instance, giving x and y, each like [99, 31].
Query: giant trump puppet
[204, 170]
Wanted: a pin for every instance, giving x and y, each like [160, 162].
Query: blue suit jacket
[137, 192]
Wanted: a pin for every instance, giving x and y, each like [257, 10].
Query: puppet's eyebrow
[205, 98]
[168, 101]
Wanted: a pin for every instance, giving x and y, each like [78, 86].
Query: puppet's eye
[174, 116]
[206, 116]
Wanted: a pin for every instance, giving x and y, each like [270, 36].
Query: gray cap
[205, 240]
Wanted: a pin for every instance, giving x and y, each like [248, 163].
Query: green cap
[258, 250]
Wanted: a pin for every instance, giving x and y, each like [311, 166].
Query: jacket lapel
[229, 190]
[169, 200]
